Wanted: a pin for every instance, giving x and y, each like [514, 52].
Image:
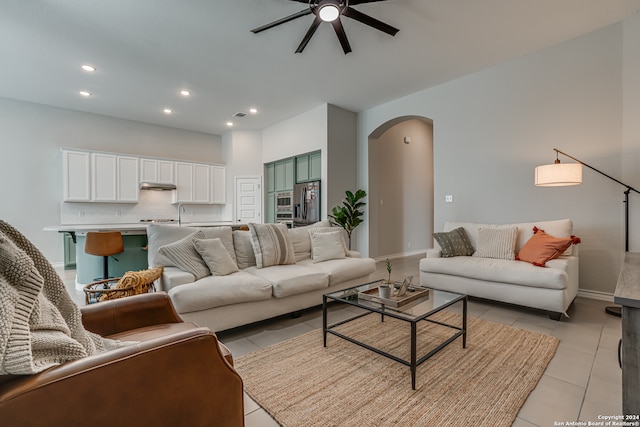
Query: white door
[248, 200]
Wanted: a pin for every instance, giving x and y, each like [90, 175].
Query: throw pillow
[497, 242]
[326, 246]
[271, 245]
[542, 247]
[243, 248]
[216, 256]
[454, 243]
[183, 254]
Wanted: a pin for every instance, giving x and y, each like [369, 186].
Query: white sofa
[552, 287]
[253, 294]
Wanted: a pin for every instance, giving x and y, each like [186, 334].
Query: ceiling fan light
[329, 12]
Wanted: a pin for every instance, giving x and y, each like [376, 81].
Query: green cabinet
[69, 252]
[315, 166]
[302, 168]
[270, 177]
[271, 207]
[284, 175]
[309, 167]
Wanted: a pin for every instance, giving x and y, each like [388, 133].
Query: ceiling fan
[330, 11]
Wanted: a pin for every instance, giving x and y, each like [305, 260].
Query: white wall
[31, 171]
[401, 189]
[301, 134]
[327, 128]
[492, 128]
[242, 154]
[631, 123]
[338, 165]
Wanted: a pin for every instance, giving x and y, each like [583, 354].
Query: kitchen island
[134, 257]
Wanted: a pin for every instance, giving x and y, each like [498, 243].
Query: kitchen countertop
[628, 287]
[127, 227]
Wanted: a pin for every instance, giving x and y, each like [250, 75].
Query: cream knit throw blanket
[40, 326]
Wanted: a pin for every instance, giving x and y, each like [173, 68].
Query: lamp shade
[558, 175]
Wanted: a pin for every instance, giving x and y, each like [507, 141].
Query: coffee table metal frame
[381, 309]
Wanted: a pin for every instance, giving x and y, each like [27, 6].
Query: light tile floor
[582, 382]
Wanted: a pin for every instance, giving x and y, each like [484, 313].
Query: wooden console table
[628, 296]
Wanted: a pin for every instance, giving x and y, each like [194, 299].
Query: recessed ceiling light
[88, 68]
[253, 110]
[185, 92]
[168, 110]
[85, 93]
[229, 124]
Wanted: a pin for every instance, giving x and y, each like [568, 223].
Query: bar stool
[104, 244]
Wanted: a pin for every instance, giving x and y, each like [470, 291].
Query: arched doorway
[400, 187]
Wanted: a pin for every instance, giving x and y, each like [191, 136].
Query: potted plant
[387, 285]
[349, 215]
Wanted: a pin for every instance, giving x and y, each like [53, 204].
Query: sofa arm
[137, 311]
[177, 379]
[434, 253]
[353, 254]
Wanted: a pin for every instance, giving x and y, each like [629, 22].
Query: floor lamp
[563, 174]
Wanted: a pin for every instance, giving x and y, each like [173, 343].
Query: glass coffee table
[419, 309]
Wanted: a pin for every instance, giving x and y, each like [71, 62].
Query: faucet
[180, 210]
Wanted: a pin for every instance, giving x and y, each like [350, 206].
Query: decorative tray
[413, 293]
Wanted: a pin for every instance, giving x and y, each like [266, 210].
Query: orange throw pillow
[542, 247]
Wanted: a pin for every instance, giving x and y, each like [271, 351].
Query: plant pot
[384, 291]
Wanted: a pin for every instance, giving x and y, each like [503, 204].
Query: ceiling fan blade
[363, 1]
[282, 21]
[312, 29]
[368, 20]
[342, 36]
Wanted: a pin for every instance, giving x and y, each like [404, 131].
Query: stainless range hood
[156, 186]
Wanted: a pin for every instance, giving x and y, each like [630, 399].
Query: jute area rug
[301, 383]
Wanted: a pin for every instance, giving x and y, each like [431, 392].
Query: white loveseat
[252, 294]
[552, 287]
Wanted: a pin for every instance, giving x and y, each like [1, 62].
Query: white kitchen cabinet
[76, 169]
[157, 171]
[103, 177]
[218, 184]
[201, 183]
[184, 183]
[114, 179]
[127, 180]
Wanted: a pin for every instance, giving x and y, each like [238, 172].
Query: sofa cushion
[326, 246]
[271, 245]
[341, 270]
[216, 291]
[454, 243]
[500, 270]
[216, 256]
[162, 234]
[301, 241]
[291, 279]
[183, 254]
[243, 249]
[496, 242]
[542, 247]
[556, 228]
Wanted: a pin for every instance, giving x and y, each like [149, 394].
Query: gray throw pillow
[183, 254]
[216, 256]
[454, 243]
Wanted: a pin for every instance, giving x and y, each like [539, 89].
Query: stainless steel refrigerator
[306, 203]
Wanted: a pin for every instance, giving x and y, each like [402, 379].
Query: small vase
[384, 291]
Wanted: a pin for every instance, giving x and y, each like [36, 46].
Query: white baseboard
[602, 296]
[58, 265]
[401, 255]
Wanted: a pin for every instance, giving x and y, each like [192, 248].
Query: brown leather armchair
[178, 374]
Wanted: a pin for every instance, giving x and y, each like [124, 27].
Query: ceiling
[146, 51]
